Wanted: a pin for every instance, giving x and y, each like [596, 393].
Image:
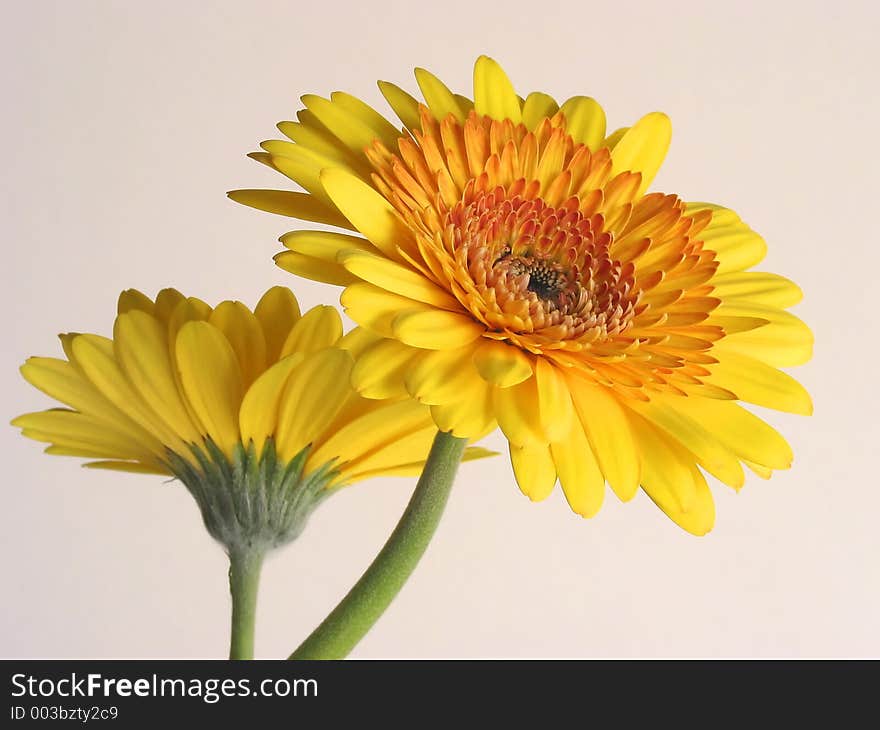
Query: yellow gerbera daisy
[207, 394]
[253, 411]
[515, 270]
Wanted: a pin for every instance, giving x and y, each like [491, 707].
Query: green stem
[355, 615]
[244, 581]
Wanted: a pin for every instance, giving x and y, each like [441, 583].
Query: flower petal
[295, 205]
[555, 406]
[405, 106]
[517, 411]
[756, 382]
[141, 348]
[643, 147]
[211, 380]
[585, 121]
[536, 108]
[277, 311]
[397, 278]
[740, 431]
[440, 100]
[663, 412]
[378, 427]
[534, 470]
[258, 415]
[608, 430]
[502, 364]
[379, 371]
[579, 474]
[769, 290]
[435, 329]
[316, 390]
[243, 331]
[368, 211]
[318, 328]
[494, 95]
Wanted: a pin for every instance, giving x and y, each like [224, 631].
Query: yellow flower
[238, 405]
[515, 270]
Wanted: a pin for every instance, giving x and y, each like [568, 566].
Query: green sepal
[254, 502]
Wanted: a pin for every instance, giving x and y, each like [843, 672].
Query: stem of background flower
[244, 580]
[355, 615]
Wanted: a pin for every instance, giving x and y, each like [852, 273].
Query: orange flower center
[540, 269]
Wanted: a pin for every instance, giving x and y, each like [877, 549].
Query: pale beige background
[123, 125]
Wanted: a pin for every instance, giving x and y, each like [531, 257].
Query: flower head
[514, 269]
[253, 411]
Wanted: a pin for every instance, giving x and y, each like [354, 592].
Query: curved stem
[244, 580]
[355, 615]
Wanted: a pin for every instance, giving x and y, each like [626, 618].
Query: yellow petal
[693, 435]
[494, 95]
[295, 205]
[517, 411]
[301, 165]
[133, 299]
[352, 108]
[386, 423]
[243, 331]
[277, 311]
[189, 310]
[472, 416]
[346, 127]
[537, 107]
[356, 341]
[128, 466]
[211, 380]
[534, 470]
[699, 518]
[785, 341]
[434, 377]
[667, 475]
[756, 382]
[585, 121]
[72, 429]
[612, 139]
[414, 468]
[367, 210]
[758, 287]
[439, 98]
[311, 134]
[258, 415]
[555, 408]
[141, 348]
[435, 329]
[315, 392]
[309, 267]
[390, 455]
[397, 278]
[740, 431]
[374, 308]
[762, 471]
[582, 481]
[502, 364]
[324, 245]
[607, 428]
[64, 382]
[167, 302]
[737, 247]
[94, 356]
[318, 328]
[643, 147]
[405, 106]
[379, 371]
